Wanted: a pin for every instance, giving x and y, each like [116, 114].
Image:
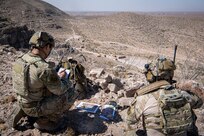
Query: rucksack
[176, 111]
[76, 71]
[78, 78]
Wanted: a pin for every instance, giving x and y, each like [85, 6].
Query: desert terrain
[114, 45]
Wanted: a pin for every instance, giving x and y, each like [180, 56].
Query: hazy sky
[128, 5]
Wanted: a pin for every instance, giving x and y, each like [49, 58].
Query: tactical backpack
[76, 71]
[20, 74]
[176, 112]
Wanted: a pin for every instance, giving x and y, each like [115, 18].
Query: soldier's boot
[45, 124]
[15, 116]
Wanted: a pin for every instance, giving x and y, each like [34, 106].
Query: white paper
[88, 107]
[67, 71]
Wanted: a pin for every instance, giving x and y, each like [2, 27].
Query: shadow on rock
[91, 89]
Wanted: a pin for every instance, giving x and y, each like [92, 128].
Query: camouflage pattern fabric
[51, 106]
[162, 68]
[48, 94]
[147, 109]
[41, 39]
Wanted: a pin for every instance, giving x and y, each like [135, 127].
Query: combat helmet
[161, 69]
[41, 39]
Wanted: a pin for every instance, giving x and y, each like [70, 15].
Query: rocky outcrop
[15, 36]
[36, 14]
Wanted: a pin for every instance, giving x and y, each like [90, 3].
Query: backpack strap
[151, 87]
[26, 70]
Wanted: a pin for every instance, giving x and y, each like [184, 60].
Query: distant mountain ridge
[153, 29]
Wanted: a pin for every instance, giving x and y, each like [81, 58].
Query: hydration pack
[176, 114]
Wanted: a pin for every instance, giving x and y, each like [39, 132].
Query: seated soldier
[42, 93]
[161, 108]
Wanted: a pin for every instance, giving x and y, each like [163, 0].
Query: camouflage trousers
[52, 106]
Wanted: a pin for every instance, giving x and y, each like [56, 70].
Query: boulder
[118, 82]
[17, 37]
[102, 83]
[96, 72]
[121, 93]
[113, 96]
[130, 92]
[113, 87]
[126, 101]
[108, 78]
[98, 95]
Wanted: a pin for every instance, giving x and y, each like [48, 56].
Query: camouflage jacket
[42, 79]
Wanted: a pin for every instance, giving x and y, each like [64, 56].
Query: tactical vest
[20, 79]
[175, 111]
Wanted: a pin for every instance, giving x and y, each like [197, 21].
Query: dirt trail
[134, 61]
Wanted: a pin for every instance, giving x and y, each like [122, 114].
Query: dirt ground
[115, 40]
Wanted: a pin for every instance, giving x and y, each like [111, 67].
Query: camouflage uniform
[40, 91]
[163, 110]
[146, 110]
[48, 93]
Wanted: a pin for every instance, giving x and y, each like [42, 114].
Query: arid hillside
[36, 14]
[147, 35]
[145, 30]
[111, 46]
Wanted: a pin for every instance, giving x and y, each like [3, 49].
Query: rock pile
[113, 88]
